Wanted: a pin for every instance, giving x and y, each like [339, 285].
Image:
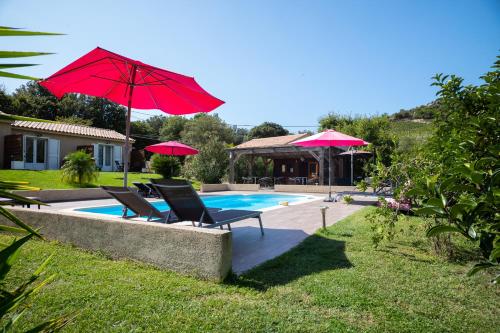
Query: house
[302, 165]
[34, 144]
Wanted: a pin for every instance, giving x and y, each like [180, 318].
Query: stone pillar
[321, 170]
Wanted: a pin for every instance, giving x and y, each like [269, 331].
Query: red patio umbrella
[129, 82]
[330, 138]
[172, 148]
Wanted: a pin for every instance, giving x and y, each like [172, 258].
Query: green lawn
[334, 281]
[51, 179]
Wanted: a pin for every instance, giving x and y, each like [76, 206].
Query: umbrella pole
[127, 129]
[329, 199]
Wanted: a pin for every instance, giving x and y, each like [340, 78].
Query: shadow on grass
[314, 255]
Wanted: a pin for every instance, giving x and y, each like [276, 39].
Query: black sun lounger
[187, 205]
[131, 200]
[144, 190]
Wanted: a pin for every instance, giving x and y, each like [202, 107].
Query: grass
[51, 179]
[335, 281]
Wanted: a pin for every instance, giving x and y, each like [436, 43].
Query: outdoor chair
[154, 192]
[118, 166]
[188, 206]
[143, 189]
[132, 201]
[266, 182]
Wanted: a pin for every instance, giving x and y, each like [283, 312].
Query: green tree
[203, 128]
[172, 128]
[156, 124]
[74, 120]
[79, 168]
[141, 131]
[210, 165]
[266, 130]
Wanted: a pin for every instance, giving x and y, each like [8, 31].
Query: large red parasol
[330, 138]
[129, 82]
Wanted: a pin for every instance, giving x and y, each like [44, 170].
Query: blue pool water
[232, 201]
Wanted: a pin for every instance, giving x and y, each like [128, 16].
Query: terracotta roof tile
[62, 128]
[275, 141]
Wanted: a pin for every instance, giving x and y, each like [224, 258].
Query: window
[107, 155]
[30, 149]
[40, 150]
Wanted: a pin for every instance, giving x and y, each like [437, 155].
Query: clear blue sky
[284, 61]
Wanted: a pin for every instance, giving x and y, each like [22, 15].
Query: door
[313, 170]
[53, 154]
[117, 157]
[105, 157]
[35, 153]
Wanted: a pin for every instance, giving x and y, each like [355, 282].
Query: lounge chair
[154, 192]
[187, 206]
[132, 201]
[143, 189]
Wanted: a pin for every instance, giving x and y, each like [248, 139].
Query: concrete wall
[312, 188]
[228, 187]
[204, 253]
[66, 195]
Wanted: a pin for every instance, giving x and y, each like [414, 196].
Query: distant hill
[427, 111]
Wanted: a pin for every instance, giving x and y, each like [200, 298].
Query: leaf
[2, 66]
[12, 229]
[8, 255]
[495, 254]
[435, 202]
[16, 32]
[479, 267]
[20, 54]
[16, 220]
[18, 76]
[430, 210]
[442, 228]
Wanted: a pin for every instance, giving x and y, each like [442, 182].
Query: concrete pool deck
[285, 227]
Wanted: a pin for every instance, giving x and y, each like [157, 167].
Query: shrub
[167, 166]
[79, 167]
[210, 165]
[347, 199]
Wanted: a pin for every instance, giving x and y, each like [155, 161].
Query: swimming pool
[231, 201]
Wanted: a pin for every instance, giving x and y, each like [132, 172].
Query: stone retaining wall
[204, 253]
[66, 195]
[229, 187]
[313, 188]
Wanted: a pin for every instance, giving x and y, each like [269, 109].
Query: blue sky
[289, 62]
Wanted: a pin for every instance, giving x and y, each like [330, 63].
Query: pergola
[276, 148]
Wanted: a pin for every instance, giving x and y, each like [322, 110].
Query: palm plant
[12, 300]
[79, 167]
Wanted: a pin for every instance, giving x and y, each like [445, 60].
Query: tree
[240, 135]
[211, 164]
[156, 124]
[5, 101]
[172, 128]
[33, 100]
[203, 127]
[74, 120]
[141, 131]
[266, 130]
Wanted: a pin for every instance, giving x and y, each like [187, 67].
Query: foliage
[79, 167]
[428, 111]
[165, 165]
[13, 300]
[74, 120]
[464, 196]
[347, 199]
[172, 128]
[454, 179]
[375, 130]
[203, 127]
[12, 32]
[266, 130]
[141, 131]
[240, 135]
[33, 100]
[210, 165]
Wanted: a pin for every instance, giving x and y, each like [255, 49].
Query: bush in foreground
[167, 166]
[79, 167]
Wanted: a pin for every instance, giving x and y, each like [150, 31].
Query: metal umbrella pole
[329, 199]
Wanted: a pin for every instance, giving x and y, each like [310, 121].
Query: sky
[289, 62]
